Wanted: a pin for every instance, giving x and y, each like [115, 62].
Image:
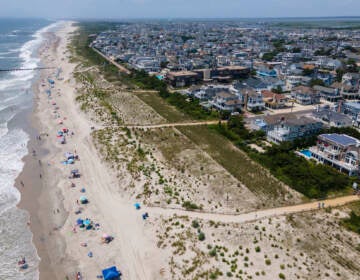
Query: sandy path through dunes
[256, 215]
[173, 124]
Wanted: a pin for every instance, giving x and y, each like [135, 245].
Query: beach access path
[257, 215]
[121, 68]
[179, 124]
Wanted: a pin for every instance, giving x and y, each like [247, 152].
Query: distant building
[183, 78]
[305, 95]
[328, 93]
[226, 101]
[252, 100]
[350, 86]
[274, 100]
[338, 150]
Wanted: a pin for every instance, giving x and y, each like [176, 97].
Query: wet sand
[36, 198]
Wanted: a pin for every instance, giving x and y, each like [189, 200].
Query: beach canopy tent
[111, 273]
[48, 92]
[137, 205]
[79, 222]
[69, 155]
[51, 81]
[60, 133]
[83, 199]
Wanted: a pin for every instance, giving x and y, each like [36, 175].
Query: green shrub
[201, 236]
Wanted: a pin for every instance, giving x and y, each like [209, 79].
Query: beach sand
[52, 202]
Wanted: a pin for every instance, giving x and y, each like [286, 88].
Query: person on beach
[22, 183]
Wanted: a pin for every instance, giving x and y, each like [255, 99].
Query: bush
[352, 223]
[195, 224]
[188, 205]
[257, 249]
[212, 253]
[268, 262]
[201, 236]
[281, 276]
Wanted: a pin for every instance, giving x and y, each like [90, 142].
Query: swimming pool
[306, 153]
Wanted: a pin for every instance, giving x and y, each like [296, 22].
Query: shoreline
[35, 200]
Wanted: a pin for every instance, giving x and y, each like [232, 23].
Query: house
[305, 95]
[294, 81]
[289, 127]
[338, 150]
[266, 72]
[226, 101]
[253, 100]
[350, 88]
[274, 100]
[352, 109]
[332, 118]
[254, 83]
[328, 93]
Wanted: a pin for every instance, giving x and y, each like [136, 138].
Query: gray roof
[341, 139]
[355, 105]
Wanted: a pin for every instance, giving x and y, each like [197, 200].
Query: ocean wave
[12, 150]
[28, 54]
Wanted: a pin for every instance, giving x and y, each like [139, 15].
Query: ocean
[19, 41]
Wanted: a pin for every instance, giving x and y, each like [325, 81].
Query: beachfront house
[338, 150]
[290, 127]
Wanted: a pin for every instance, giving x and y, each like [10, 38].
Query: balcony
[324, 157]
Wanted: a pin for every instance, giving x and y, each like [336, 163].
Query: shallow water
[19, 41]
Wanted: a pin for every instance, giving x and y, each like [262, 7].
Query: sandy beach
[48, 196]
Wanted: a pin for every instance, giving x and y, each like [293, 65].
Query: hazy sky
[177, 8]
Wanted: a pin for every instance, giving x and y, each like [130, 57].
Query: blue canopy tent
[137, 206]
[111, 273]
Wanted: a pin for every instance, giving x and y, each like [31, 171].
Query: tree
[278, 89]
[308, 72]
[164, 64]
[339, 73]
[268, 56]
[316, 82]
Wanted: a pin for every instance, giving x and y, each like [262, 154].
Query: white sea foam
[15, 238]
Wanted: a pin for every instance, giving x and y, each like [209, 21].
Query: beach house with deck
[338, 150]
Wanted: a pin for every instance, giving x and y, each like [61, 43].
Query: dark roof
[341, 139]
